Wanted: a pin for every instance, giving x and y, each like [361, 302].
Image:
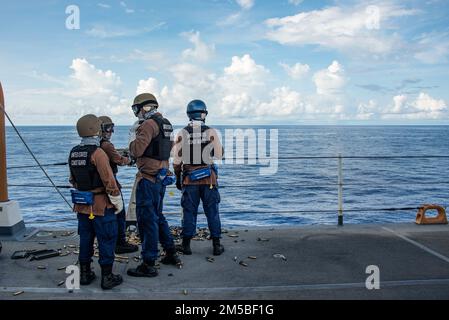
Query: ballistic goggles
[109, 128]
[137, 107]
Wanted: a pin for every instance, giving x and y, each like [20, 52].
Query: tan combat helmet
[105, 120]
[107, 126]
[144, 100]
[88, 126]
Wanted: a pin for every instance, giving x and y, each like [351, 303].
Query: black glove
[133, 161]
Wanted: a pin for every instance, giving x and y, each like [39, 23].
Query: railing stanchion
[340, 190]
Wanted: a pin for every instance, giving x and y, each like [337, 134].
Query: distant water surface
[248, 199]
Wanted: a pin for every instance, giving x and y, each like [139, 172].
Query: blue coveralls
[153, 226]
[191, 196]
[105, 229]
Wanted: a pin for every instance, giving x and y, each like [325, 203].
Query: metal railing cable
[324, 211]
[34, 166]
[34, 157]
[265, 186]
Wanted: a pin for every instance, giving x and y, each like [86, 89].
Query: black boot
[143, 270]
[218, 248]
[171, 258]
[125, 247]
[87, 275]
[108, 279]
[185, 246]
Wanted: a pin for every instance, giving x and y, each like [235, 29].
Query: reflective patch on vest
[78, 163]
[167, 129]
[198, 138]
[79, 154]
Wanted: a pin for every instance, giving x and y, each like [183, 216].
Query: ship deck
[322, 262]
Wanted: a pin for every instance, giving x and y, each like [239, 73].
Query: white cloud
[104, 6]
[125, 6]
[345, 29]
[422, 107]
[297, 71]
[242, 91]
[295, 2]
[190, 82]
[433, 48]
[106, 32]
[245, 4]
[330, 81]
[90, 80]
[284, 102]
[243, 81]
[235, 104]
[245, 66]
[150, 85]
[113, 31]
[230, 20]
[425, 103]
[367, 111]
[86, 89]
[399, 102]
[201, 51]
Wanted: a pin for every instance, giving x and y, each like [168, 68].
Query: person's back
[151, 148]
[96, 201]
[150, 143]
[197, 176]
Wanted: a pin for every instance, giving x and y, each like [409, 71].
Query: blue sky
[252, 61]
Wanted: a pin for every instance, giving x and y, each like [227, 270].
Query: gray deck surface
[324, 262]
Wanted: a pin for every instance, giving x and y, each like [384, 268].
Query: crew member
[150, 144]
[196, 147]
[97, 200]
[115, 160]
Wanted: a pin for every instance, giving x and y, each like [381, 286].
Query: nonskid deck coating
[324, 262]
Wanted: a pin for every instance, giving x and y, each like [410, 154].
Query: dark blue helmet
[195, 108]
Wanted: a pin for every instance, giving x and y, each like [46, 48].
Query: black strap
[140, 105]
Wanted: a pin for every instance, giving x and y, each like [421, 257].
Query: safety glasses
[109, 128]
[136, 107]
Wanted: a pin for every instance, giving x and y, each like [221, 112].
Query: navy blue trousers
[105, 229]
[190, 201]
[153, 227]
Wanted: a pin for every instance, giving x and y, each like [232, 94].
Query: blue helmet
[195, 108]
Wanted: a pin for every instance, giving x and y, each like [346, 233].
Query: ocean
[301, 192]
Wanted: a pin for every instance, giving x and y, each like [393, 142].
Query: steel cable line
[34, 157]
[328, 211]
